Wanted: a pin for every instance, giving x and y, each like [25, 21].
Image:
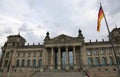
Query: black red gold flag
[100, 16]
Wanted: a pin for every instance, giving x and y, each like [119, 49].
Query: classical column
[14, 58]
[67, 58]
[107, 57]
[3, 60]
[99, 56]
[74, 58]
[59, 59]
[93, 57]
[20, 62]
[10, 57]
[37, 62]
[44, 57]
[52, 59]
[114, 61]
[83, 57]
[31, 61]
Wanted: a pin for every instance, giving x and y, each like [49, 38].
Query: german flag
[100, 16]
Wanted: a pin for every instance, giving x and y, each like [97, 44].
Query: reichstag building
[61, 56]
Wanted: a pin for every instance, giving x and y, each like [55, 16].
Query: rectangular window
[118, 57]
[34, 63]
[40, 62]
[6, 63]
[110, 60]
[28, 63]
[18, 61]
[89, 61]
[96, 61]
[103, 61]
[23, 62]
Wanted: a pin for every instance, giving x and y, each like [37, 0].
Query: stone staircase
[58, 74]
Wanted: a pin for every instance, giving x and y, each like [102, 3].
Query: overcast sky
[33, 18]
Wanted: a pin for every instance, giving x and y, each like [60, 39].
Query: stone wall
[103, 72]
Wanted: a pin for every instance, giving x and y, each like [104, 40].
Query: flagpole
[111, 41]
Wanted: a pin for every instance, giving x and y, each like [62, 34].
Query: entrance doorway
[63, 58]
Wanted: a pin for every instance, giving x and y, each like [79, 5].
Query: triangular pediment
[61, 39]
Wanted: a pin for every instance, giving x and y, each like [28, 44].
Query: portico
[60, 57]
[63, 52]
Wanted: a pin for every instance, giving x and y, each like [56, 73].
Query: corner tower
[8, 50]
[15, 41]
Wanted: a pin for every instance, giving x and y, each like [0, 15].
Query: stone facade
[60, 53]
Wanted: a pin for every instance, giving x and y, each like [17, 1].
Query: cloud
[114, 6]
[33, 18]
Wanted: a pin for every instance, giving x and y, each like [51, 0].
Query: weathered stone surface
[62, 56]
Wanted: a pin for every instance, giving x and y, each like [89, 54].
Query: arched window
[89, 61]
[18, 61]
[103, 61]
[34, 62]
[23, 62]
[96, 61]
[40, 62]
[28, 62]
[110, 61]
